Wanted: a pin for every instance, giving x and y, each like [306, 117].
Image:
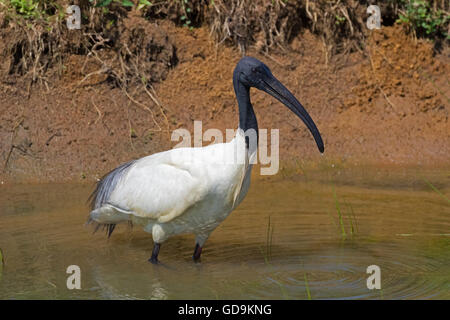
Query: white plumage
[192, 190]
[184, 190]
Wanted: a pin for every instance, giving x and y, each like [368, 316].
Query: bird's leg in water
[197, 252]
[154, 258]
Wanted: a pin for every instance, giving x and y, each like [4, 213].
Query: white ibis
[192, 190]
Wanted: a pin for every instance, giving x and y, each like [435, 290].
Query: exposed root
[11, 149]
[265, 24]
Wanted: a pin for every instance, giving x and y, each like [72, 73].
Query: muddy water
[392, 219]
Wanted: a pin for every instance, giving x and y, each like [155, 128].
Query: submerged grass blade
[2, 263]
[338, 209]
[264, 254]
[332, 219]
[267, 252]
[353, 215]
[436, 190]
[308, 293]
[269, 236]
[352, 220]
[268, 240]
[282, 289]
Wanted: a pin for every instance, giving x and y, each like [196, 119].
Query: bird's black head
[251, 72]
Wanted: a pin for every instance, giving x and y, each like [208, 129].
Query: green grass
[340, 218]
[282, 289]
[269, 240]
[352, 220]
[2, 263]
[424, 19]
[26, 8]
[125, 3]
[436, 190]
[350, 217]
[33, 10]
[308, 293]
[267, 253]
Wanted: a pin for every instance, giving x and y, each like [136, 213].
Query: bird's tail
[106, 218]
[107, 184]
[102, 214]
[109, 227]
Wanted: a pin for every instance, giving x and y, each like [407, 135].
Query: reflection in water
[390, 219]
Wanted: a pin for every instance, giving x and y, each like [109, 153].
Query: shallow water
[390, 218]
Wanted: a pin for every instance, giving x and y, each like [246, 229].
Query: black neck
[247, 117]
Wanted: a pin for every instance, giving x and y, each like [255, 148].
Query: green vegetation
[264, 24]
[308, 293]
[269, 240]
[424, 19]
[185, 16]
[340, 218]
[32, 9]
[339, 19]
[26, 8]
[267, 253]
[271, 23]
[33, 12]
[125, 3]
[2, 263]
[352, 228]
[436, 190]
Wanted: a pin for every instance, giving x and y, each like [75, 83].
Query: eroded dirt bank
[388, 107]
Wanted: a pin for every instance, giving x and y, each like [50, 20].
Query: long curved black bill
[275, 88]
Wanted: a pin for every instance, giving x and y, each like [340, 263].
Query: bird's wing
[157, 187]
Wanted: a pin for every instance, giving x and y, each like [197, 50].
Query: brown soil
[391, 107]
[146, 47]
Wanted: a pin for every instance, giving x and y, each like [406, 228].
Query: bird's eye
[254, 70]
